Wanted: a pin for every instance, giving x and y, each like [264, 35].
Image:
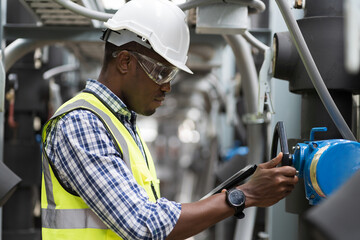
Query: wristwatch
[236, 199]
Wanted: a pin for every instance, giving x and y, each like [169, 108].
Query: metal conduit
[2, 85]
[60, 69]
[83, 11]
[245, 63]
[254, 41]
[197, 3]
[313, 72]
[20, 47]
[256, 143]
[258, 5]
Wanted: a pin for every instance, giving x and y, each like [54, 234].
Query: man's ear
[123, 61]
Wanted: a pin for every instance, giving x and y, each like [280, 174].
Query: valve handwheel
[280, 134]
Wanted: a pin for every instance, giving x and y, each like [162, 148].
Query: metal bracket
[264, 74]
[264, 87]
[255, 118]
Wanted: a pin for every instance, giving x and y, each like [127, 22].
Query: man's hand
[269, 184]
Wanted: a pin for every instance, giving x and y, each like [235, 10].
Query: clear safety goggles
[158, 72]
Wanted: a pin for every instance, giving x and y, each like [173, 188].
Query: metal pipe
[83, 11]
[2, 85]
[20, 47]
[197, 3]
[60, 69]
[254, 41]
[256, 141]
[313, 72]
[245, 63]
[258, 5]
[245, 229]
[264, 76]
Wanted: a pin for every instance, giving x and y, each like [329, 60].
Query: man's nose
[165, 87]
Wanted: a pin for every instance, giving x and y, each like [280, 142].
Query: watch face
[236, 197]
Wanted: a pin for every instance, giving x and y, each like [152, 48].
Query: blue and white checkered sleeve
[86, 159]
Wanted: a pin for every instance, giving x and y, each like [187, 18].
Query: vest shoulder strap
[115, 134]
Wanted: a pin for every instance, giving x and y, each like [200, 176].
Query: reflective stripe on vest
[71, 218]
[101, 115]
[68, 221]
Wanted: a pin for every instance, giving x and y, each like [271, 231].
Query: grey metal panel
[337, 217]
[63, 33]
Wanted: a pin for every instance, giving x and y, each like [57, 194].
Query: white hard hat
[158, 22]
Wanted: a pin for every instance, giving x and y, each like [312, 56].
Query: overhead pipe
[83, 11]
[196, 3]
[20, 47]
[257, 5]
[59, 70]
[313, 72]
[254, 41]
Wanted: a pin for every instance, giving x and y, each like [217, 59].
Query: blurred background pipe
[255, 139]
[18, 48]
[83, 11]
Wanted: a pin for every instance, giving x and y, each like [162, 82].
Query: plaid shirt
[87, 162]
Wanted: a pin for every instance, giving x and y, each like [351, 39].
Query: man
[99, 180]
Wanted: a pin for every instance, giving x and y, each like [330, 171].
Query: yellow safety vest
[65, 215]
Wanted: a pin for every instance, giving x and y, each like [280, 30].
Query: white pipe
[254, 41]
[83, 11]
[197, 3]
[258, 5]
[20, 47]
[264, 76]
[245, 63]
[256, 141]
[245, 229]
[2, 85]
[60, 69]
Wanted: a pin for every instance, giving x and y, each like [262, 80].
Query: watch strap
[238, 209]
[239, 215]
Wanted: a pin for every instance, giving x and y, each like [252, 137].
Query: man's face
[143, 95]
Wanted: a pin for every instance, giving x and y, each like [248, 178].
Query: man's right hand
[269, 184]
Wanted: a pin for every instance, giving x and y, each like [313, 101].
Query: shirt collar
[114, 102]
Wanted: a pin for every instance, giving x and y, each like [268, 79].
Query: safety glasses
[158, 72]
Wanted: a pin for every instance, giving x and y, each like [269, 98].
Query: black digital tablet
[234, 180]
